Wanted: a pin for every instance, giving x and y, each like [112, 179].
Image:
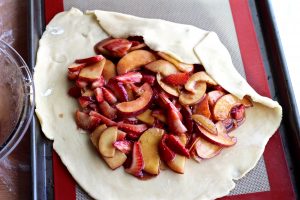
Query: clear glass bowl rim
[28, 104]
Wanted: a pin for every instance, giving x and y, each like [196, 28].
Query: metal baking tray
[278, 79]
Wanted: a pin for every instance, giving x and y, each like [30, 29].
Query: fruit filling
[145, 110]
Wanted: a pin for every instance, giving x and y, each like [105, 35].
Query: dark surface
[41, 148]
[283, 90]
[15, 169]
[277, 77]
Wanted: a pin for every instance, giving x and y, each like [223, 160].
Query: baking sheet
[206, 18]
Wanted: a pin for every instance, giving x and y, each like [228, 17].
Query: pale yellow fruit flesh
[146, 117]
[106, 140]
[149, 144]
[95, 135]
[116, 161]
[178, 163]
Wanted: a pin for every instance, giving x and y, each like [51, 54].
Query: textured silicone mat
[206, 18]
[201, 13]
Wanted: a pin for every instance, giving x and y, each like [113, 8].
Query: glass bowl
[17, 98]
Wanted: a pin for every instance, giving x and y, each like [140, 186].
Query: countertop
[15, 175]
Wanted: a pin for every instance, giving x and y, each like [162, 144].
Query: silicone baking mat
[231, 20]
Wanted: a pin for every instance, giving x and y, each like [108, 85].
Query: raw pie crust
[72, 34]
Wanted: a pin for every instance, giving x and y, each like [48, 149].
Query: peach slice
[205, 149]
[189, 98]
[197, 77]
[146, 117]
[92, 72]
[134, 60]
[160, 115]
[202, 108]
[223, 106]
[222, 139]
[76, 67]
[149, 144]
[167, 88]
[138, 105]
[109, 70]
[116, 161]
[106, 140]
[178, 163]
[163, 67]
[181, 66]
[205, 123]
[213, 96]
[95, 135]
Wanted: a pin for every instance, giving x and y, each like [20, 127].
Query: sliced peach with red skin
[180, 66]
[76, 67]
[109, 70]
[146, 117]
[149, 144]
[189, 98]
[167, 88]
[213, 96]
[223, 106]
[139, 105]
[197, 77]
[134, 60]
[92, 72]
[222, 139]
[95, 135]
[106, 140]
[163, 67]
[178, 163]
[116, 161]
[202, 107]
[206, 150]
[160, 115]
[206, 123]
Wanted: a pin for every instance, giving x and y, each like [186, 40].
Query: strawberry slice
[109, 96]
[148, 79]
[84, 101]
[81, 83]
[117, 47]
[165, 152]
[104, 119]
[73, 75]
[74, 92]
[238, 112]
[176, 79]
[107, 110]
[137, 164]
[89, 60]
[130, 77]
[76, 67]
[133, 136]
[98, 83]
[123, 146]
[135, 128]
[118, 89]
[99, 95]
[175, 144]
[174, 117]
[85, 121]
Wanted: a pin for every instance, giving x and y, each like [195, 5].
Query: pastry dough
[71, 35]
